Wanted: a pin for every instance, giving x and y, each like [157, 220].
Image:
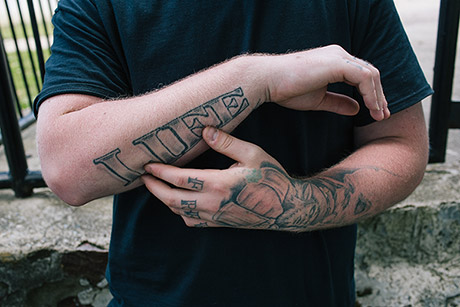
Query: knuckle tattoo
[201, 225]
[195, 183]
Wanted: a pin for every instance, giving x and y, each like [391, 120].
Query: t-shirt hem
[66, 89]
[403, 103]
[411, 100]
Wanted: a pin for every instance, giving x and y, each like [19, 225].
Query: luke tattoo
[171, 141]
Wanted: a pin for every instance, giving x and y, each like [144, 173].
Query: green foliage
[7, 33]
[31, 77]
[32, 80]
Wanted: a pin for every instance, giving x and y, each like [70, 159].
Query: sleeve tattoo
[273, 200]
[171, 141]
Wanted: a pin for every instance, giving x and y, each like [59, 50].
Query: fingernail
[211, 134]
[148, 168]
[378, 106]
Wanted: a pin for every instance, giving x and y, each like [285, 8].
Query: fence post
[445, 113]
[14, 148]
[38, 44]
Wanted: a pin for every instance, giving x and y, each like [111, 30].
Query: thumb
[338, 103]
[230, 146]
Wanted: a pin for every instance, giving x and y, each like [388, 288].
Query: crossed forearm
[168, 143]
[274, 200]
[109, 151]
[257, 193]
[107, 154]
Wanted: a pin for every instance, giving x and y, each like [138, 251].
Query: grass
[30, 82]
[18, 30]
[18, 78]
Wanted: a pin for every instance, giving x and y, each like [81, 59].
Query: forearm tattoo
[270, 199]
[171, 141]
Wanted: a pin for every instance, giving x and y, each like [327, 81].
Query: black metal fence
[445, 113]
[30, 19]
[24, 38]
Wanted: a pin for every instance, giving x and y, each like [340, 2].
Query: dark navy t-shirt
[122, 48]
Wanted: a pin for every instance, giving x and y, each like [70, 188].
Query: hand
[250, 194]
[299, 81]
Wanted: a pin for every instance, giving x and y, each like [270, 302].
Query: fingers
[333, 64]
[367, 79]
[181, 178]
[242, 152]
[340, 104]
[184, 203]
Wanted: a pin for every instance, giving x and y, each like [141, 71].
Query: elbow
[62, 175]
[60, 151]
[416, 179]
[417, 167]
[63, 185]
[422, 158]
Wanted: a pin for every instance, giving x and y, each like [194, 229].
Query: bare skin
[106, 144]
[257, 193]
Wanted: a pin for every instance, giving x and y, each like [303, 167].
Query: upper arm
[400, 142]
[58, 138]
[398, 145]
[52, 127]
[408, 125]
[83, 62]
[65, 103]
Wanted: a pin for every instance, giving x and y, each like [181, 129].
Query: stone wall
[410, 254]
[51, 278]
[52, 254]
[55, 255]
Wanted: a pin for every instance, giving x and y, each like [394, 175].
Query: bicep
[64, 104]
[51, 123]
[407, 127]
[399, 146]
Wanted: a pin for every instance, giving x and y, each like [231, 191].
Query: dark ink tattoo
[201, 225]
[196, 183]
[192, 214]
[171, 141]
[354, 64]
[188, 204]
[189, 207]
[116, 167]
[361, 206]
[270, 198]
[254, 175]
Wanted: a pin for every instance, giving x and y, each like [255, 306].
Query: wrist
[256, 77]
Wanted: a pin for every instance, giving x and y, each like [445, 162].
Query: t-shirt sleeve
[83, 59]
[379, 38]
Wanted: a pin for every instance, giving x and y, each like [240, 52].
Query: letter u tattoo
[171, 141]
